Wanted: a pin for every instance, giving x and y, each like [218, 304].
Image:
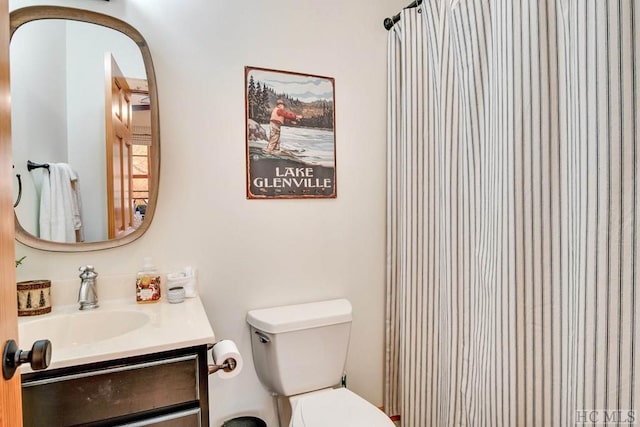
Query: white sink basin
[81, 327]
[118, 329]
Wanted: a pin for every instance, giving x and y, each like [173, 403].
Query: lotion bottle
[147, 283]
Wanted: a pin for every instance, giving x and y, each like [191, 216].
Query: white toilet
[300, 351]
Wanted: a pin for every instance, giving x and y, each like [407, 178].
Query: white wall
[259, 253]
[42, 101]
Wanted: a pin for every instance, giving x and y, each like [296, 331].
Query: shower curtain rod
[389, 22]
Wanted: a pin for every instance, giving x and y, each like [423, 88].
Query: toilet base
[282, 406]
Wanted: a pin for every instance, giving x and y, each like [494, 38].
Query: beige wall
[251, 254]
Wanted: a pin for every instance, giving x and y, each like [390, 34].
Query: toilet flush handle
[264, 338]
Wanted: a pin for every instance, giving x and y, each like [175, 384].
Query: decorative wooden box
[34, 297]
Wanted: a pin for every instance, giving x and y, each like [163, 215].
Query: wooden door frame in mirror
[24, 15]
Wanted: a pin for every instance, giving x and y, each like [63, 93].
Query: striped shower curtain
[513, 214]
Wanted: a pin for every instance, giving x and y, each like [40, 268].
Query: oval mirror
[85, 129]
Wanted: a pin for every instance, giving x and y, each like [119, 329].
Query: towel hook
[19, 189]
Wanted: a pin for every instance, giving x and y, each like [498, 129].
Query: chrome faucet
[88, 294]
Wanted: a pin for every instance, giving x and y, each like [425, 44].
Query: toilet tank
[300, 348]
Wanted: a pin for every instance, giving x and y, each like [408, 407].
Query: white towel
[60, 212]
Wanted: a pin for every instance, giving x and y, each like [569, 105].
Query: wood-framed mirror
[85, 126]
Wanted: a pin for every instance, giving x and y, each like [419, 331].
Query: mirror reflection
[82, 132]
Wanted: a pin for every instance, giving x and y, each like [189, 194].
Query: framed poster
[290, 136]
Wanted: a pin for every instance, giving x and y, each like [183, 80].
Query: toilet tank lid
[300, 316]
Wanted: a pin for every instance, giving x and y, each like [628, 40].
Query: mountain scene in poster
[303, 165]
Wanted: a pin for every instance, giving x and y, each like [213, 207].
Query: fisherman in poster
[279, 116]
[290, 135]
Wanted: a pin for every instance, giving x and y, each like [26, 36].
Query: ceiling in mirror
[85, 129]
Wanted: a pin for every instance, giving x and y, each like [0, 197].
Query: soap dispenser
[147, 283]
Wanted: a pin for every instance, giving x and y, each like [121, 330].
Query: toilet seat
[337, 408]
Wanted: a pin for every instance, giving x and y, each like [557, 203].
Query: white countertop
[164, 327]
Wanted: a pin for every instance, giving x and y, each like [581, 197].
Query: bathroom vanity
[161, 389]
[120, 364]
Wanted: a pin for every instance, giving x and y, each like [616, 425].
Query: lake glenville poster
[290, 140]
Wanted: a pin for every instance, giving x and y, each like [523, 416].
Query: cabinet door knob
[39, 357]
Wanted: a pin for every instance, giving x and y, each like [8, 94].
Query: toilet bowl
[337, 408]
[299, 352]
